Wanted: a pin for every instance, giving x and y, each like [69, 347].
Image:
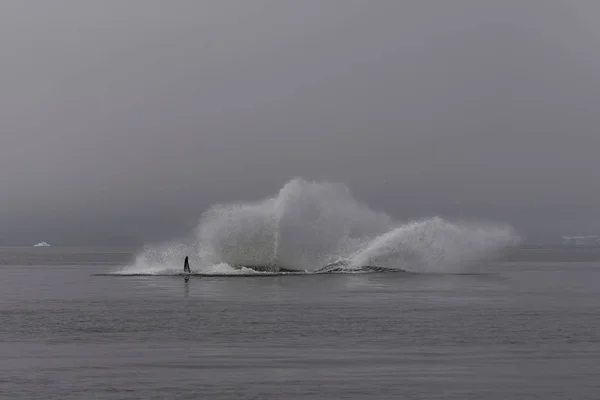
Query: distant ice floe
[41, 244]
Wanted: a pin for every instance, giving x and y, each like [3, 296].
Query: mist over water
[309, 225]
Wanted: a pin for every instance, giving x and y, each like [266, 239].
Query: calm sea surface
[528, 328]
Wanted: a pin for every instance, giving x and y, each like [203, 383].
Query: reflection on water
[66, 333]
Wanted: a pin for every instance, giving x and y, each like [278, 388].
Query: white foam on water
[308, 225]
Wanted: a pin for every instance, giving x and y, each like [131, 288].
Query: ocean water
[458, 314]
[526, 327]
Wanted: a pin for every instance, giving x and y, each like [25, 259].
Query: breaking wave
[319, 227]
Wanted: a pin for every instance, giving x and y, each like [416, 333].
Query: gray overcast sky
[124, 120]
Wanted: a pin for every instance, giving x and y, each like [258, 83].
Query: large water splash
[309, 225]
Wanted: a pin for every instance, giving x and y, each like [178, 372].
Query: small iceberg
[41, 244]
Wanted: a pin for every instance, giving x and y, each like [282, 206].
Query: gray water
[516, 330]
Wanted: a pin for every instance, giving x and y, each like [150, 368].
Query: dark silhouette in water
[339, 266]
